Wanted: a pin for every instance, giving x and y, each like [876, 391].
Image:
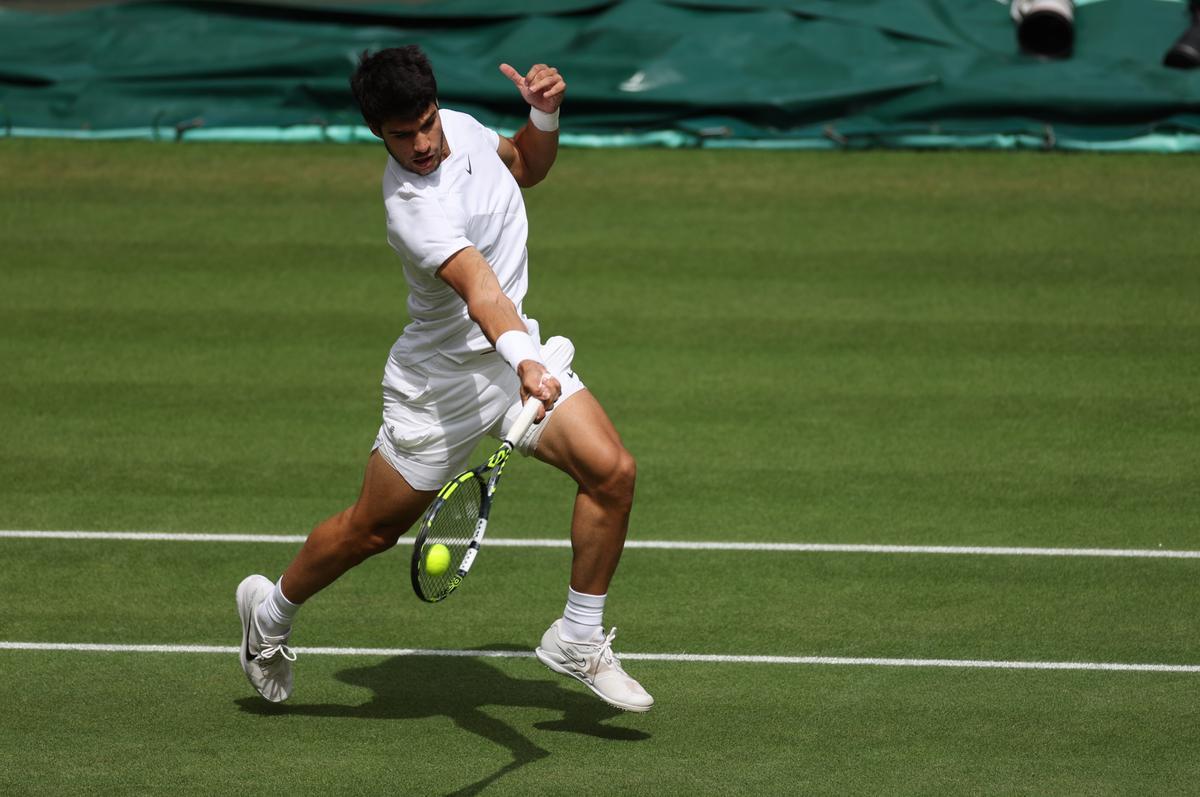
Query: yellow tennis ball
[437, 559]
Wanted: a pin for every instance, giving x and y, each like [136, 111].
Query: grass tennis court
[877, 348]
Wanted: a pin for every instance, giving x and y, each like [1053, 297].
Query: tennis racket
[458, 517]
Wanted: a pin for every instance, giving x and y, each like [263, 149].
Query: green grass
[954, 349]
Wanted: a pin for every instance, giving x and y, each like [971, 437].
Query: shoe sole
[245, 613]
[548, 660]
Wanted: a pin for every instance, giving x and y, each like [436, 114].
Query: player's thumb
[512, 74]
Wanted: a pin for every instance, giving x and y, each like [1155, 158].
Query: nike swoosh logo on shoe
[246, 651]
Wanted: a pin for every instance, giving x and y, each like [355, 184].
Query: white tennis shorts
[435, 412]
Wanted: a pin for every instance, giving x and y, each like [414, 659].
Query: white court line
[696, 658]
[781, 547]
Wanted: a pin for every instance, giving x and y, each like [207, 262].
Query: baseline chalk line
[667, 545]
[693, 658]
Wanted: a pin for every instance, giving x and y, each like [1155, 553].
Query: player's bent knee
[367, 540]
[615, 484]
[384, 538]
[625, 473]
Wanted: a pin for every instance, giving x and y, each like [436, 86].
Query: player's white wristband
[546, 122]
[516, 347]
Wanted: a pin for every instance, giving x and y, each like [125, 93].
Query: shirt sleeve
[422, 231]
[491, 139]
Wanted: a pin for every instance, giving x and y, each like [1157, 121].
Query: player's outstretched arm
[531, 152]
[469, 274]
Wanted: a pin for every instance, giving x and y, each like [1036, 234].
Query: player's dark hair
[396, 83]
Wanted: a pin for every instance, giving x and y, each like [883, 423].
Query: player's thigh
[387, 500]
[581, 441]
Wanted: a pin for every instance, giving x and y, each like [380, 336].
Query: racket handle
[523, 421]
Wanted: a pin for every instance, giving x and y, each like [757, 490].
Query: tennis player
[462, 369]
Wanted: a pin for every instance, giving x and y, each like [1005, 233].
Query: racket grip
[523, 421]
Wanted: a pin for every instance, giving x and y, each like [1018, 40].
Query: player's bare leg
[386, 507]
[581, 441]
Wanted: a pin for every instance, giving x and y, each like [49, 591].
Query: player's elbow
[529, 167]
[528, 179]
[533, 172]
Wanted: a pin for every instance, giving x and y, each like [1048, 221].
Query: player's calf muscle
[333, 547]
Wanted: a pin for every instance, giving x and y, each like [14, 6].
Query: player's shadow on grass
[417, 687]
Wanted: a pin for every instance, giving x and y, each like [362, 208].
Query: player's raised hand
[542, 87]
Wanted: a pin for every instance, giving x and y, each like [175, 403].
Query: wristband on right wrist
[516, 347]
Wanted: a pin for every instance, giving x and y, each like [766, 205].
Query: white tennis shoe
[595, 664]
[267, 660]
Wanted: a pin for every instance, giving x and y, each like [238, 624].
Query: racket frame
[494, 466]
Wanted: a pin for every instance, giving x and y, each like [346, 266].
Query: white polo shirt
[471, 199]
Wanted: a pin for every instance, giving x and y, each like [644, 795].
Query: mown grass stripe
[681, 545]
[152, 536]
[693, 658]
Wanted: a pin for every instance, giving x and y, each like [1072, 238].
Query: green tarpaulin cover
[819, 73]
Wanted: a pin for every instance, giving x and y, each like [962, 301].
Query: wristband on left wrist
[546, 122]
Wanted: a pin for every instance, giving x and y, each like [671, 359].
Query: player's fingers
[550, 390]
[543, 79]
[541, 411]
[533, 72]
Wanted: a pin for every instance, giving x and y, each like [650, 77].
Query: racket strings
[453, 525]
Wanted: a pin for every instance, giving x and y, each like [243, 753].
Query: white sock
[275, 614]
[583, 618]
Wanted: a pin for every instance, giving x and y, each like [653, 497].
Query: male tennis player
[462, 369]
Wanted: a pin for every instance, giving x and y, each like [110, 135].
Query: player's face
[418, 145]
